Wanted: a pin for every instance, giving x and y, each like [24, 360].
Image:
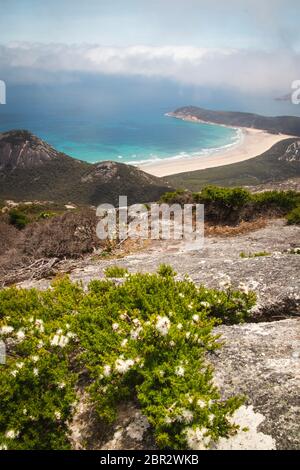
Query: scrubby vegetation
[254, 255]
[28, 234]
[293, 218]
[233, 205]
[147, 339]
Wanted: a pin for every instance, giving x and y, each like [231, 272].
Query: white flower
[179, 326]
[61, 385]
[35, 358]
[201, 403]
[40, 344]
[181, 295]
[24, 411]
[14, 372]
[163, 325]
[243, 288]
[39, 325]
[106, 370]
[3, 447]
[186, 416]
[136, 322]
[134, 334]
[20, 365]
[205, 304]
[63, 341]
[123, 365]
[57, 415]
[71, 335]
[179, 371]
[5, 330]
[20, 335]
[172, 343]
[35, 371]
[195, 318]
[188, 334]
[124, 342]
[11, 434]
[196, 438]
[115, 326]
[55, 340]
[59, 332]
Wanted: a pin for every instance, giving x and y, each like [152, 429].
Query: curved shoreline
[253, 142]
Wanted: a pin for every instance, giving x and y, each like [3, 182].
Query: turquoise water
[135, 138]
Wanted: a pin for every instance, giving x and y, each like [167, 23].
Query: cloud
[245, 70]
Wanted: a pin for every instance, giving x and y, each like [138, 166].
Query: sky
[252, 46]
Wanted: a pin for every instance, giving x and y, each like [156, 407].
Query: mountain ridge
[31, 169]
[289, 125]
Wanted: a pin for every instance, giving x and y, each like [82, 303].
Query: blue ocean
[120, 120]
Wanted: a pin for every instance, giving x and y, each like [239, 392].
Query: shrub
[69, 235]
[115, 271]
[293, 218]
[18, 218]
[146, 339]
[282, 200]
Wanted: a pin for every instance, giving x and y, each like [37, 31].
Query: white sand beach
[252, 143]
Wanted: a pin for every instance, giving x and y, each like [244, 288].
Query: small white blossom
[124, 343]
[20, 365]
[115, 326]
[61, 385]
[181, 295]
[163, 325]
[40, 325]
[186, 416]
[196, 438]
[11, 434]
[35, 358]
[195, 318]
[201, 403]
[3, 447]
[106, 370]
[205, 304]
[179, 371]
[35, 371]
[243, 288]
[20, 335]
[5, 330]
[123, 365]
[179, 326]
[57, 415]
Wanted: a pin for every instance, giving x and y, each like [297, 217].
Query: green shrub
[18, 218]
[293, 218]
[115, 271]
[147, 339]
[283, 200]
[254, 255]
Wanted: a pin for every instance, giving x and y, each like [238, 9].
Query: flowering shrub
[147, 339]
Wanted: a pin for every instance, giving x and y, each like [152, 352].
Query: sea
[121, 123]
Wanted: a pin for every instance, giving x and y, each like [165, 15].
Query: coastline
[252, 142]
